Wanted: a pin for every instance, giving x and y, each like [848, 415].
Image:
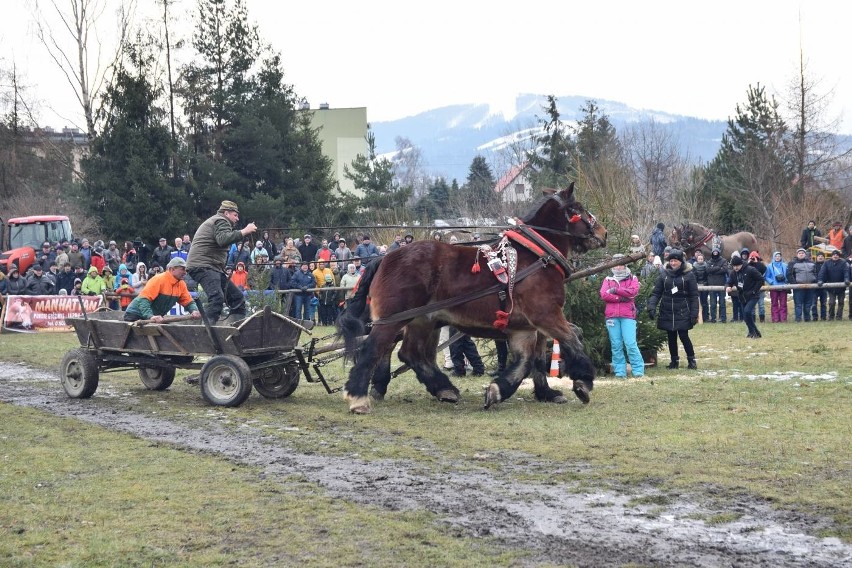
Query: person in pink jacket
[619, 291]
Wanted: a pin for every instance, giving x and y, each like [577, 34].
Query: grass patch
[116, 500]
[765, 417]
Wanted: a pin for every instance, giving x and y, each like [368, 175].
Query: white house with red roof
[515, 186]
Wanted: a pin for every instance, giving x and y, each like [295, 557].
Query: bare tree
[91, 66]
[660, 172]
[821, 160]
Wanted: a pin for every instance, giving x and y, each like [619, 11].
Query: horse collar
[533, 241]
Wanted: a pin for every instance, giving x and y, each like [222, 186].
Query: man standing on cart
[207, 258]
[161, 293]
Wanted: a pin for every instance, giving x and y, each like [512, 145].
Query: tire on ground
[79, 373]
[225, 380]
[157, 378]
[277, 382]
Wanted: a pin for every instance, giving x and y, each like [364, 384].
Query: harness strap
[534, 242]
[450, 302]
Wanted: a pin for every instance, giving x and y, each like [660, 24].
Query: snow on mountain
[451, 137]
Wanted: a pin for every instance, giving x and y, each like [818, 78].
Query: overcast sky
[401, 58]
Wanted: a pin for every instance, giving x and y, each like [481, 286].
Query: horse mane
[352, 322]
[550, 195]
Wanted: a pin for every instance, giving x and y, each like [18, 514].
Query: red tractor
[21, 237]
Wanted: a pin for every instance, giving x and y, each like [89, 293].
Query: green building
[343, 133]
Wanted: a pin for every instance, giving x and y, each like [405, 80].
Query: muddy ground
[559, 524]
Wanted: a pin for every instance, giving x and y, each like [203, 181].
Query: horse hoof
[376, 395]
[447, 395]
[492, 395]
[559, 399]
[582, 392]
[358, 404]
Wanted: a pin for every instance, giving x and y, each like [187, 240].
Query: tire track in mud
[555, 523]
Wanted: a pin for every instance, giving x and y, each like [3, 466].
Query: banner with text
[45, 313]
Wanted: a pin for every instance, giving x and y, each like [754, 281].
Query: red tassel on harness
[475, 268]
[502, 321]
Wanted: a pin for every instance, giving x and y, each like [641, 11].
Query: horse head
[566, 221]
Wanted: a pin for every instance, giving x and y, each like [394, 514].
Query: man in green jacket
[207, 258]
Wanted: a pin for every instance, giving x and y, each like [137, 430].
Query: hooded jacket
[676, 295]
[776, 271]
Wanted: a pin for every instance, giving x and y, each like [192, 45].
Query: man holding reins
[208, 255]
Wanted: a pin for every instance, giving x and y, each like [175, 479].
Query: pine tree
[477, 194]
[375, 177]
[128, 174]
[553, 158]
[750, 176]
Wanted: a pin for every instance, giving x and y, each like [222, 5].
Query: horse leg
[419, 351]
[381, 377]
[522, 345]
[541, 367]
[578, 365]
[373, 350]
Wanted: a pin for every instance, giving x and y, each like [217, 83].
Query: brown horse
[429, 284]
[691, 237]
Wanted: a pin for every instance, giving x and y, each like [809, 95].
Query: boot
[692, 364]
[673, 364]
[763, 318]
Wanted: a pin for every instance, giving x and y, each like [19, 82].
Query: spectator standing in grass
[747, 280]
[801, 270]
[676, 295]
[776, 275]
[619, 291]
[834, 271]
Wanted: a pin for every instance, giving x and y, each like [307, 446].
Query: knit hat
[667, 249]
[836, 253]
[715, 253]
[77, 281]
[619, 272]
[754, 255]
[228, 206]
[800, 250]
[676, 254]
[660, 226]
[329, 278]
[736, 261]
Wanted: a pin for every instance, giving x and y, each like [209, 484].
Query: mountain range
[450, 137]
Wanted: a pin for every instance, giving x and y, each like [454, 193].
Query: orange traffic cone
[554, 360]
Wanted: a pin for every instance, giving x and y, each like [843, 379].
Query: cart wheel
[277, 382]
[225, 380]
[79, 373]
[157, 378]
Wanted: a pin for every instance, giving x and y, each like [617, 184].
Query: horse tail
[351, 324]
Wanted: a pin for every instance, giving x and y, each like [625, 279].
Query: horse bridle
[572, 217]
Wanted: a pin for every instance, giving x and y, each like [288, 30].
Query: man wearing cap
[343, 254]
[161, 293]
[802, 270]
[747, 281]
[366, 250]
[38, 283]
[45, 256]
[308, 250]
[834, 270]
[207, 258]
[162, 253]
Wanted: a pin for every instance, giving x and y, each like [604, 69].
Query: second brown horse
[413, 289]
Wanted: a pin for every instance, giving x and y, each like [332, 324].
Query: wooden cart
[260, 350]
